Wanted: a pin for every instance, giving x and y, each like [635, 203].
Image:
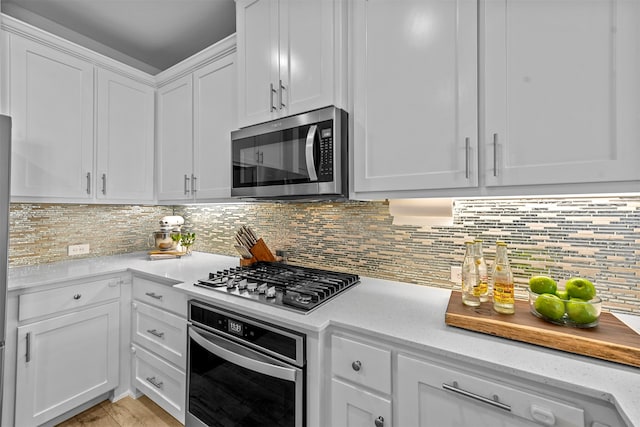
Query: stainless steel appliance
[242, 371]
[296, 288]
[169, 226]
[5, 175]
[302, 156]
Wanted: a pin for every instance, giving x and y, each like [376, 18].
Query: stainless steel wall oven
[243, 371]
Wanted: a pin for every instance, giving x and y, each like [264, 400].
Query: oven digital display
[235, 327]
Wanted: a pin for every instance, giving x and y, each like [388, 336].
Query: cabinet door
[415, 94]
[215, 100]
[175, 139]
[66, 361]
[308, 38]
[125, 129]
[353, 407]
[258, 60]
[430, 395]
[52, 109]
[562, 91]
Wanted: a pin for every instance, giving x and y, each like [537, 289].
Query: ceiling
[151, 35]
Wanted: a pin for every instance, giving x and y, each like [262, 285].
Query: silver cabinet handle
[154, 332]
[495, 154]
[77, 296]
[27, 355]
[379, 422]
[104, 183]
[467, 148]
[153, 295]
[193, 184]
[271, 92]
[311, 162]
[156, 383]
[280, 90]
[356, 365]
[495, 402]
[186, 184]
[88, 182]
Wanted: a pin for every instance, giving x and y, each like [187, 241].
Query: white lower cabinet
[65, 361]
[355, 407]
[159, 344]
[376, 383]
[160, 381]
[430, 395]
[360, 383]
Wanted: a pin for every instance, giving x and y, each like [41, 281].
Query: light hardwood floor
[127, 412]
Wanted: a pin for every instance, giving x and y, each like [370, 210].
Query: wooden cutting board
[611, 340]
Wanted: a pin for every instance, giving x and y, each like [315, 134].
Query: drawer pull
[156, 333]
[156, 383]
[495, 402]
[153, 295]
[77, 296]
[356, 365]
[379, 422]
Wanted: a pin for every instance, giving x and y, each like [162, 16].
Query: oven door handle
[250, 363]
[311, 162]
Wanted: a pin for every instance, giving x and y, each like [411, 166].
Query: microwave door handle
[281, 372]
[311, 161]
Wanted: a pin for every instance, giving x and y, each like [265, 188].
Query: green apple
[577, 287]
[581, 311]
[542, 285]
[549, 306]
[562, 294]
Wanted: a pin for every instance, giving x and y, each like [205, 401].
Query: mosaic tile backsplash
[596, 238]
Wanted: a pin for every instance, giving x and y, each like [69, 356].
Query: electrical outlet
[456, 274]
[73, 250]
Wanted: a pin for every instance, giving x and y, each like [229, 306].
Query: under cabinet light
[422, 212]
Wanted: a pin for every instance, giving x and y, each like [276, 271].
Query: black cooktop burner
[298, 288]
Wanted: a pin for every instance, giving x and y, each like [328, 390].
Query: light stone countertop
[407, 314]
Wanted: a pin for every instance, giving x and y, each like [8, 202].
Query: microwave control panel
[325, 172]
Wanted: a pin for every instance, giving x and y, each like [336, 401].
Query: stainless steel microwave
[297, 157]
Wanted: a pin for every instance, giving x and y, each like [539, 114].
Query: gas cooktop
[296, 288]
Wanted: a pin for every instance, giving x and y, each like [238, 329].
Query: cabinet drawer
[68, 298]
[161, 332]
[159, 295]
[361, 363]
[160, 381]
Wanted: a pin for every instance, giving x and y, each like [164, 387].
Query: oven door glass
[288, 156]
[230, 385]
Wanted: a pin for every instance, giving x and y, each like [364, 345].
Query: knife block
[260, 252]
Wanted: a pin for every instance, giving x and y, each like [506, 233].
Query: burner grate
[290, 286]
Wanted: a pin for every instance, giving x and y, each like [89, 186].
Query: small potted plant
[185, 241]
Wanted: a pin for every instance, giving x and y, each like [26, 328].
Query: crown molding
[22, 29]
[218, 50]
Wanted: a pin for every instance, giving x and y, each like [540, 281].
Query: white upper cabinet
[562, 94]
[51, 103]
[175, 139]
[290, 57]
[83, 127]
[197, 110]
[415, 94]
[558, 97]
[215, 94]
[125, 138]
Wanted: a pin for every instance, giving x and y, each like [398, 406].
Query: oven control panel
[263, 336]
